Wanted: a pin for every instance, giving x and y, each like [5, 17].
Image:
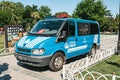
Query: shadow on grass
[113, 63]
[4, 67]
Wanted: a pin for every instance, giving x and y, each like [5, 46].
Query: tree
[35, 16]
[116, 23]
[4, 17]
[16, 13]
[92, 10]
[27, 12]
[34, 7]
[30, 16]
[110, 23]
[7, 13]
[19, 12]
[44, 11]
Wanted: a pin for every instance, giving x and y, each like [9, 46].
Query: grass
[1, 42]
[108, 66]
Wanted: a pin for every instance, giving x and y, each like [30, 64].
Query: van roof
[73, 19]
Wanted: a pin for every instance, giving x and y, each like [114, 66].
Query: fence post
[63, 72]
[101, 55]
[113, 76]
[87, 62]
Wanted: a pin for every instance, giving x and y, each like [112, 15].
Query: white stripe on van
[76, 48]
[95, 38]
[28, 45]
[21, 42]
[34, 42]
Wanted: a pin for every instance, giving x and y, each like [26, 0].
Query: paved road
[11, 69]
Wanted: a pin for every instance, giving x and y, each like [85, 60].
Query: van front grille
[24, 50]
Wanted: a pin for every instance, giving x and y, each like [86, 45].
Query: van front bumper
[37, 61]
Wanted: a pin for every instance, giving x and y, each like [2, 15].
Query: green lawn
[108, 66]
[1, 42]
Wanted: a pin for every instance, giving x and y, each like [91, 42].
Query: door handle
[76, 39]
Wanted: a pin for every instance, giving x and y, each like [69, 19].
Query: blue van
[53, 41]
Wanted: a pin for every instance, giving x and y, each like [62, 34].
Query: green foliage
[111, 24]
[17, 13]
[8, 14]
[35, 16]
[116, 22]
[95, 10]
[27, 23]
[5, 17]
[44, 11]
[90, 9]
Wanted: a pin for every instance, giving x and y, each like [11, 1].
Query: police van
[53, 41]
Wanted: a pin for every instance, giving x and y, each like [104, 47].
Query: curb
[2, 54]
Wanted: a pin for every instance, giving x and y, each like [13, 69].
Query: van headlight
[38, 51]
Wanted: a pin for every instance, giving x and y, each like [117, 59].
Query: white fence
[7, 51]
[69, 70]
[93, 76]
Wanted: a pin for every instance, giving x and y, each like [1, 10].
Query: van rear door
[83, 38]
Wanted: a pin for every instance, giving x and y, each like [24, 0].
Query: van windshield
[49, 28]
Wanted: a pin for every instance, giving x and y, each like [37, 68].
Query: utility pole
[118, 44]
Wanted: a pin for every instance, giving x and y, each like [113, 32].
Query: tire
[93, 50]
[57, 62]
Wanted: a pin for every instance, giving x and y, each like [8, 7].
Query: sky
[69, 5]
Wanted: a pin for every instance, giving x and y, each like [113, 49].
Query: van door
[74, 44]
[79, 43]
[70, 44]
[84, 39]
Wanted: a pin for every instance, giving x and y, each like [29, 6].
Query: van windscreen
[50, 27]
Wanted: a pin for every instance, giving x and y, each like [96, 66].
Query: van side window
[94, 28]
[83, 28]
[71, 28]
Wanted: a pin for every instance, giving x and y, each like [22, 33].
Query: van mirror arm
[62, 37]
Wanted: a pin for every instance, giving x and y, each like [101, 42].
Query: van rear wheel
[57, 62]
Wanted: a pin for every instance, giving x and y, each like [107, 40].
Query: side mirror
[63, 36]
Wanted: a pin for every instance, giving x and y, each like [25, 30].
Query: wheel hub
[58, 62]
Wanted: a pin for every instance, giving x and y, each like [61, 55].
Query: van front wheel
[56, 62]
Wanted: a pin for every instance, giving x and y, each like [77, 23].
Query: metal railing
[69, 70]
[7, 51]
[94, 76]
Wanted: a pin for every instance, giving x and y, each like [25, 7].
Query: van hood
[31, 41]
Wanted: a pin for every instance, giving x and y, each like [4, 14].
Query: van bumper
[37, 61]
